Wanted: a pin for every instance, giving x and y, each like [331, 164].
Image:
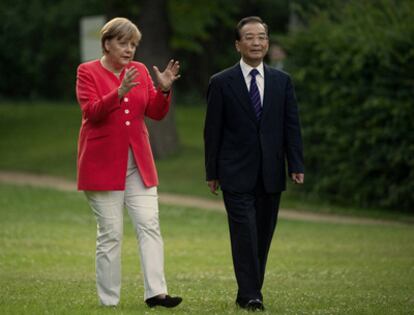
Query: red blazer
[111, 125]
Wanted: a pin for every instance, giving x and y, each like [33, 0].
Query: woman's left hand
[166, 78]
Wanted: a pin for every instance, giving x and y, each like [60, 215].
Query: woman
[115, 162]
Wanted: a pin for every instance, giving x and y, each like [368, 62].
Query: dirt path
[61, 184]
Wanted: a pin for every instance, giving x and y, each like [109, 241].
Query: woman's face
[120, 51]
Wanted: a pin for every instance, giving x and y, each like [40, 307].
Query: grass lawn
[47, 241]
[42, 138]
[39, 138]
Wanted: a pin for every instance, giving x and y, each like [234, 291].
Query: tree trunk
[154, 49]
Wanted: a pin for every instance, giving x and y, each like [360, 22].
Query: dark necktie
[255, 95]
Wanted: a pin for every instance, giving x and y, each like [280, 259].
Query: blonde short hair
[119, 28]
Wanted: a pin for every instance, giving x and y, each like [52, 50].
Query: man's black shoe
[252, 305]
[168, 301]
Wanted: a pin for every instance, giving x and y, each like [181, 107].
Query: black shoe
[252, 305]
[168, 301]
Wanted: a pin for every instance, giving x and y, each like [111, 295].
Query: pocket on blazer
[226, 155]
[97, 134]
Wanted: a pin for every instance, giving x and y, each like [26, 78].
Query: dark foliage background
[352, 63]
[40, 40]
[354, 72]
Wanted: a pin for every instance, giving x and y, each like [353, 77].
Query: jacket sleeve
[213, 126]
[94, 106]
[158, 104]
[292, 132]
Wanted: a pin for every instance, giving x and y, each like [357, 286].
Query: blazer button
[126, 99]
[126, 111]
[127, 123]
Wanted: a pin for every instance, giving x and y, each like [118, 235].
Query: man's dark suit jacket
[237, 146]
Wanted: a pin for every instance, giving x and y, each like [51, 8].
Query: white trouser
[142, 205]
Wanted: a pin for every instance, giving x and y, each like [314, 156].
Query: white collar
[247, 68]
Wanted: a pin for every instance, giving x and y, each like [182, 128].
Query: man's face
[253, 44]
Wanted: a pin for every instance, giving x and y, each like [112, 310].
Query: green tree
[40, 44]
[40, 47]
[203, 34]
[354, 70]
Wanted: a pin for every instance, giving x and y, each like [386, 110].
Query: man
[251, 127]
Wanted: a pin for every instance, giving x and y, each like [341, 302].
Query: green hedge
[39, 42]
[354, 75]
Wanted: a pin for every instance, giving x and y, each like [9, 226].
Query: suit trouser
[252, 218]
[142, 205]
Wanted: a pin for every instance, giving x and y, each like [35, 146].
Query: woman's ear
[106, 45]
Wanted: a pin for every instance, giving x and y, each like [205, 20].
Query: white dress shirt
[259, 77]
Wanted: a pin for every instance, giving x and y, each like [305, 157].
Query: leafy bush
[40, 47]
[354, 74]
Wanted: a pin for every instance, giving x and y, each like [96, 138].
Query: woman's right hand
[128, 82]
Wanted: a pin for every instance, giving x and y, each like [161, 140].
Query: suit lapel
[271, 90]
[239, 88]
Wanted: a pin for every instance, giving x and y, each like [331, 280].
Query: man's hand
[298, 178]
[213, 185]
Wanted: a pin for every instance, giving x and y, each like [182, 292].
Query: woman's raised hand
[166, 78]
[128, 82]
